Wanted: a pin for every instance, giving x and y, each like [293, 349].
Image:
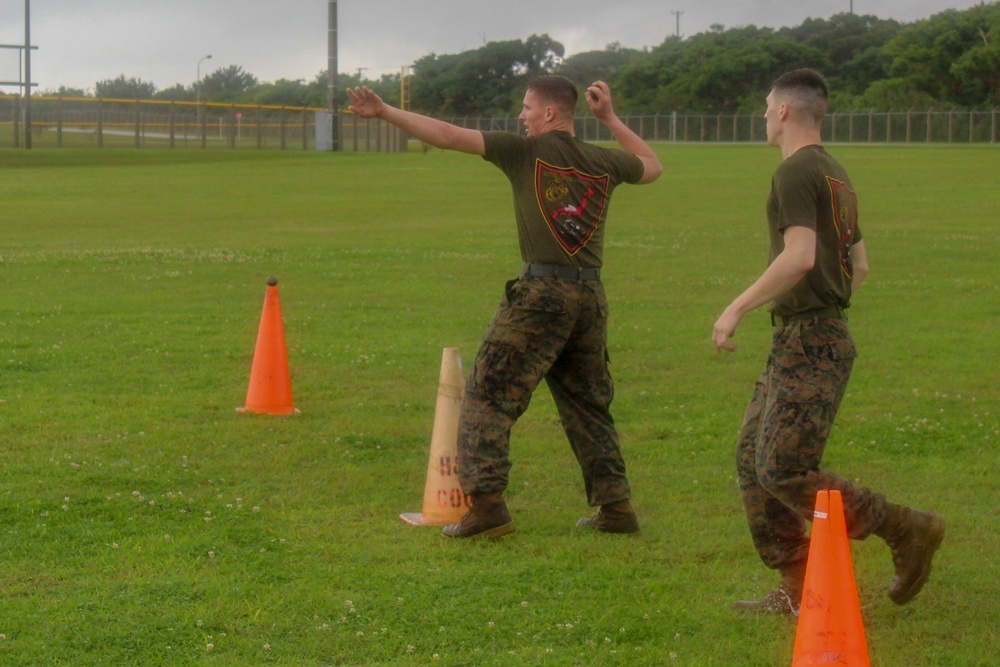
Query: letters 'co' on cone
[830, 631]
[270, 390]
[444, 502]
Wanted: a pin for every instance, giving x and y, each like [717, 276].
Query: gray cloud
[84, 41]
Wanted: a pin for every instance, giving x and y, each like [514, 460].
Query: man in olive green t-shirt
[552, 320]
[818, 260]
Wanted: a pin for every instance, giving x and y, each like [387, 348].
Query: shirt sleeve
[796, 190]
[505, 150]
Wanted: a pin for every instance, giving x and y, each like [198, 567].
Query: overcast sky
[81, 42]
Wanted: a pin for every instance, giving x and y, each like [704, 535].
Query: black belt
[559, 271]
[829, 313]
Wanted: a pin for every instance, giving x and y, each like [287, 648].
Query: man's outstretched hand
[364, 102]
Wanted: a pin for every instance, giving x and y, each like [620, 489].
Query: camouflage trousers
[544, 328]
[783, 436]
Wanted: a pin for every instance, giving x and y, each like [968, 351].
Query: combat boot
[783, 600]
[488, 516]
[613, 518]
[913, 536]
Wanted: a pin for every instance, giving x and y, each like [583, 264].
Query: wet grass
[143, 521]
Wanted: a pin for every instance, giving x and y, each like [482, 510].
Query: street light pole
[199, 75]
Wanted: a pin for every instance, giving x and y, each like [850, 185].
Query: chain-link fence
[855, 127]
[98, 123]
[89, 122]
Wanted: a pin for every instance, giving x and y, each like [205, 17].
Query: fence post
[951, 124]
[203, 124]
[260, 136]
[888, 126]
[993, 127]
[281, 126]
[138, 124]
[100, 122]
[909, 113]
[930, 126]
[172, 115]
[972, 125]
[59, 121]
[305, 130]
[16, 113]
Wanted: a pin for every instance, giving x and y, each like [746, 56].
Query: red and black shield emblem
[845, 217]
[572, 203]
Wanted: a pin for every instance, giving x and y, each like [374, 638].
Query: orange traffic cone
[830, 631]
[270, 390]
[444, 502]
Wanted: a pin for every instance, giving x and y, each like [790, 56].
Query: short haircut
[556, 90]
[808, 89]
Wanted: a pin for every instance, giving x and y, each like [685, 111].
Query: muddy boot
[783, 600]
[488, 516]
[613, 518]
[913, 536]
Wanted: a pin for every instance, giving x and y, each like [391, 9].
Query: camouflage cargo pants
[544, 328]
[784, 432]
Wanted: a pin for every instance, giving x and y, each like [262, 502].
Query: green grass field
[143, 521]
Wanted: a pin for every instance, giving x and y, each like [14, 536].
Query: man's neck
[795, 141]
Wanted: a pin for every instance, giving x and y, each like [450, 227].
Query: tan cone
[444, 502]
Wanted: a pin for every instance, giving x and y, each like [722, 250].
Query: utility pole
[360, 70]
[27, 73]
[331, 93]
[677, 15]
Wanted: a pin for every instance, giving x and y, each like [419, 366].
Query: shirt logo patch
[571, 202]
[845, 218]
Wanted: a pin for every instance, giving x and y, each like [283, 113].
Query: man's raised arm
[599, 100]
[366, 104]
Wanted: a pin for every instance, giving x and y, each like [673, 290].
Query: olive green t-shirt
[562, 187]
[811, 189]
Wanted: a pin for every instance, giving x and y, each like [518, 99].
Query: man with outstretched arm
[552, 319]
[818, 260]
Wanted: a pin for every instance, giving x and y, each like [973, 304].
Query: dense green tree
[936, 54]
[176, 93]
[589, 66]
[63, 91]
[714, 71]
[284, 93]
[125, 88]
[978, 70]
[484, 81]
[852, 45]
[227, 84]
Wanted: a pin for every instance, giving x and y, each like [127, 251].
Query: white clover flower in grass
[210, 647]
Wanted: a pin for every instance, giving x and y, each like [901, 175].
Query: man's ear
[784, 110]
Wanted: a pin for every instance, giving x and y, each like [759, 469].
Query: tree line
[950, 60]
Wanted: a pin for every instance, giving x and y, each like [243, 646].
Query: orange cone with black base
[270, 390]
[830, 631]
[444, 502]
